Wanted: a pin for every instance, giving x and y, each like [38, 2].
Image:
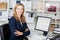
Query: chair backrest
[6, 31]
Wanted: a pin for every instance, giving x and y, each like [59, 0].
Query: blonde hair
[15, 14]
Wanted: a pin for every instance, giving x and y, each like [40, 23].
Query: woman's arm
[18, 33]
[12, 26]
[27, 31]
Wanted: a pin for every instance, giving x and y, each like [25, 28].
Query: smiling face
[19, 10]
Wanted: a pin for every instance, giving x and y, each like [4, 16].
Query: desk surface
[56, 30]
[37, 37]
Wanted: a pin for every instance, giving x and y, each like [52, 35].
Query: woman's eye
[21, 9]
[17, 8]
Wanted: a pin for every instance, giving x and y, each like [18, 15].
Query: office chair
[6, 32]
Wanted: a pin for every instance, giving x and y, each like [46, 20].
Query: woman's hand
[18, 33]
[26, 29]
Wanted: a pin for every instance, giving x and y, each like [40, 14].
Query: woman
[17, 24]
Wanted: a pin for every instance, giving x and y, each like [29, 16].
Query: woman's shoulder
[12, 18]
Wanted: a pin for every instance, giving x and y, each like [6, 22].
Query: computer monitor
[43, 23]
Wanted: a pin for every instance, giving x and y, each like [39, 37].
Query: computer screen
[43, 23]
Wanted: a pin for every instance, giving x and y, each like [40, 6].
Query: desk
[37, 37]
[56, 30]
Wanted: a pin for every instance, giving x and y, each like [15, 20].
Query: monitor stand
[45, 33]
